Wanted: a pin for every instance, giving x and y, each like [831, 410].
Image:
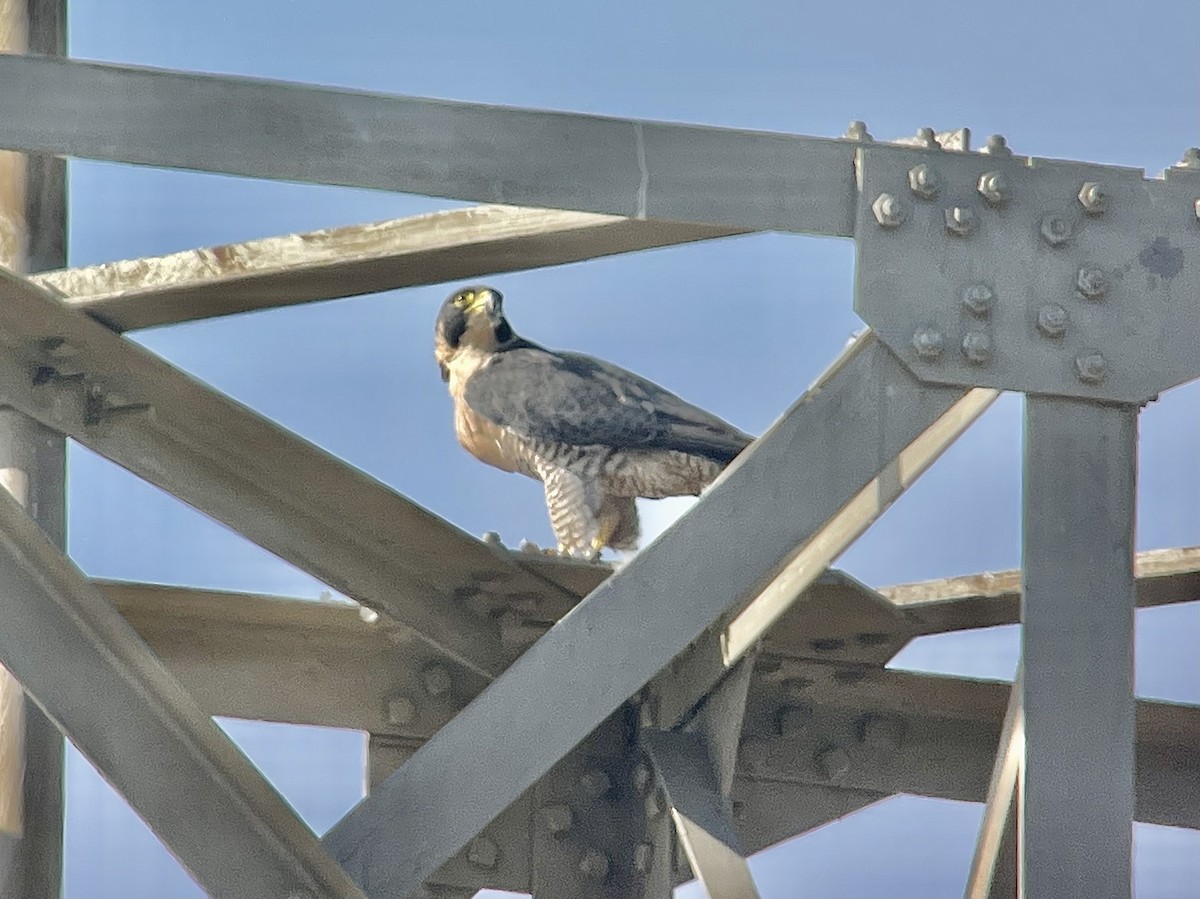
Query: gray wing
[575, 399]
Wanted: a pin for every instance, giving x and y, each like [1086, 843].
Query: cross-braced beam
[87, 668]
[353, 260]
[784, 493]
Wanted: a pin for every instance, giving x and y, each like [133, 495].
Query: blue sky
[749, 322]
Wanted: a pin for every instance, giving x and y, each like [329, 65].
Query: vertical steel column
[32, 468]
[1076, 796]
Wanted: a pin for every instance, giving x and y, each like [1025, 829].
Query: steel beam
[467, 151]
[87, 668]
[33, 230]
[784, 493]
[1077, 789]
[994, 864]
[359, 259]
[78, 377]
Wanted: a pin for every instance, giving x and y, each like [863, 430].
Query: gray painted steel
[1040, 293]
[466, 151]
[1077, 795]
[123, 710]
[290, 497]
[775, 497]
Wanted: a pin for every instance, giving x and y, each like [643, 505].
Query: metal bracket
[1048, 277]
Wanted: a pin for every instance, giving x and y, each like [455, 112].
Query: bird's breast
[483, 439]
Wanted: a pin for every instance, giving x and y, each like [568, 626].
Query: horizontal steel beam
[120, 706]
[79, 378]
[354, 260]
[467, 151]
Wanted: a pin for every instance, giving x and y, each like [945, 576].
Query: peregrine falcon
[596, 436]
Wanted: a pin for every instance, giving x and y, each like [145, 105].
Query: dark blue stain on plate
[1161, 258]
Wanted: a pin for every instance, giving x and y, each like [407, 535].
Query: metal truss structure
[723, 691]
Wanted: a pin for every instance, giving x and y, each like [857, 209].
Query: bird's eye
[463, 300]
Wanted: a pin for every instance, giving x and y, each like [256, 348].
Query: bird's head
[470, 318]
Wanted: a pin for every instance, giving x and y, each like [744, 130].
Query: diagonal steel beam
[787, 491]
[358, 259]
[93, 675]
[468, 151]
[76, 376]
[996, 831]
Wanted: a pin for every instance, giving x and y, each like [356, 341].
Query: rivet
[1190, 160]
[1052, 320]
[640, 778]
[881, 731]
[594, 865]
[923, 181]
[529, 547]
[996, 146]
[832, 764]
[791, 720]
[643, 857]
[401, 710]
[977, 347]
[654, 804]
[960, 220]
[928, 342]
[858, 131]
[978, 299]
[1091, 367]
[993, 187]
[1092, 198]
[482, 853]
[367, 615]
[890, 211]
[1091, 282]
[491, 538]
[557, 817]
[1055, 229]
[436, 680]
[595, 783]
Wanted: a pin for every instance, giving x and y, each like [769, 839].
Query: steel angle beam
[786, 492]
[466, 151]
[92, 674]
[354, 260]
[1164, 576]
[1077, 784]
[78, 377]
[994, 863]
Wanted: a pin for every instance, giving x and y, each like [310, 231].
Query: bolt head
[833, 763]
[881, 731]
[1091, 282]
[641, 778]
[557, 817]
[1056, 230]
[890, 211]
[482, 853]
[978, 299]
[400, 711]
[643, 857]
[1052, 320]
[928, 342]
[993, 187]
[923, 181]
[858, 131]
[1190, 160]
[1092, 198]
[437, 680]
[960, 220]
[996, 146]
[977, 347]
[927, 137]
[792, 720]
[595, 783]
[594, 865]
[1091, 367]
